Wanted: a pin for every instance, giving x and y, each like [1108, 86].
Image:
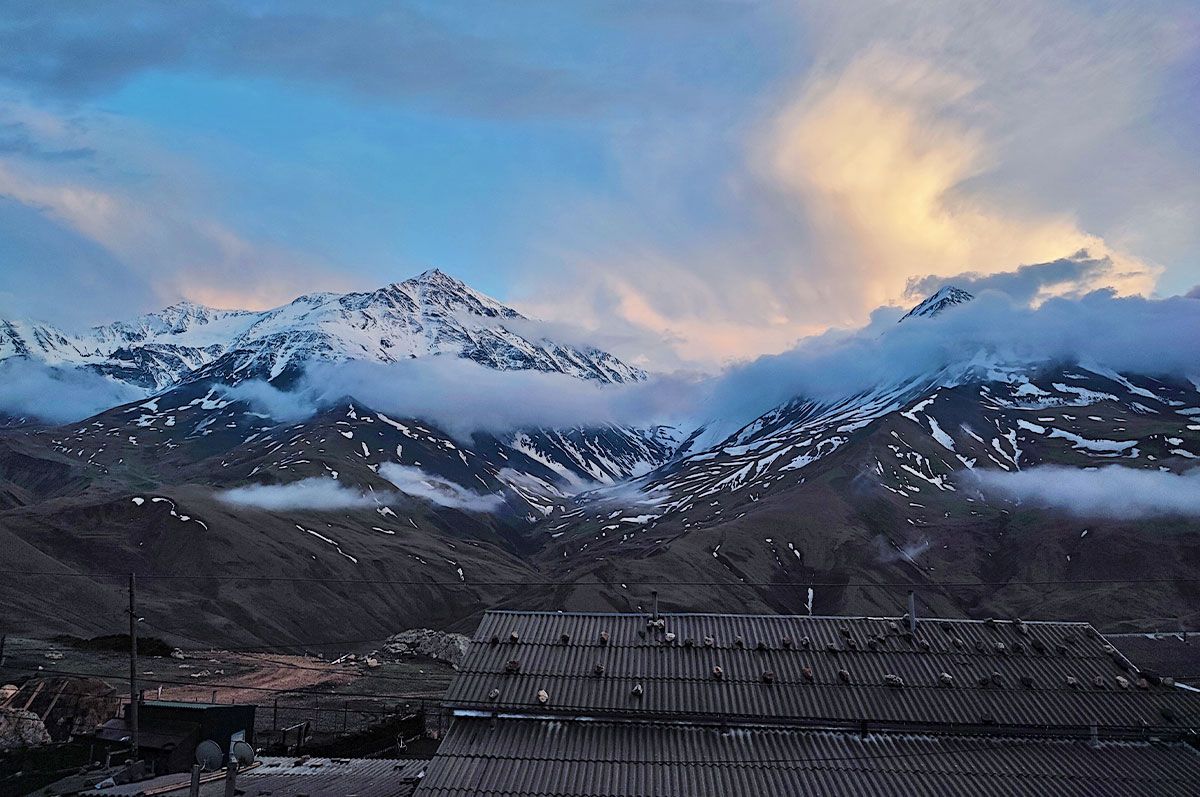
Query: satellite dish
[243, 752]
[209, 755]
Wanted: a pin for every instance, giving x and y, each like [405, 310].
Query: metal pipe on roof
[912, 611]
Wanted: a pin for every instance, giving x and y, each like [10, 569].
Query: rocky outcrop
[424, 642]
[67, 705]
[20, 728]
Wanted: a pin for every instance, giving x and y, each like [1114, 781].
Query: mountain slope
[880, 486]
[808, 507]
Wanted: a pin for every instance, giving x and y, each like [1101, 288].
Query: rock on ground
[20, 728]
[440, 645]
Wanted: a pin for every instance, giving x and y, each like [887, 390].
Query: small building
[680, 704]
[169, 731]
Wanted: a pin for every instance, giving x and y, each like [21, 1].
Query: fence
[295, 721]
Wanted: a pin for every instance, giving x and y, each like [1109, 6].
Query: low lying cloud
[416, 482]
[316, 493]
[462, 397]
[282, 405]
[319, 493]
[57, 394]
[1114, 491]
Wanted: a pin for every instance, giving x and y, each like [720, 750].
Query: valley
[246, 528]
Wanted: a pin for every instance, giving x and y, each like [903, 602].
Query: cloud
[319, 493]
[316, 494]
[1075, 276]
[395, 53]
[941, 138]
[56, 394]
[178, 252]
[282, 405]
[416, 482]
[882, 165]
[462, 397]
[1114, 491]
[1131, 335]
[16, 139]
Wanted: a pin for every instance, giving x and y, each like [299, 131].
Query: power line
[607, 582]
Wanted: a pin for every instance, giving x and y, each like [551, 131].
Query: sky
[693, 182]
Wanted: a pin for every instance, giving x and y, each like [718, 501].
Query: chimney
[912, 611]
[655, 594]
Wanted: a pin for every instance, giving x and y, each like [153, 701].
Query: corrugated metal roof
[292, 777]
[1058, 675]
[355, 777]
[514, 757]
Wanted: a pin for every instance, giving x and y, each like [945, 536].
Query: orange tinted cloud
[878, 161]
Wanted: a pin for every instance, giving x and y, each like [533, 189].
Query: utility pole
[133, 692]
[231, 773]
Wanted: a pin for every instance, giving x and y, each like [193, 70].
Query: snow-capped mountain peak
[432, 314]
[182, 323]
[435, 291]
[946, 296]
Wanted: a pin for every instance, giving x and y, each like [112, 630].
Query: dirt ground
[333, 695]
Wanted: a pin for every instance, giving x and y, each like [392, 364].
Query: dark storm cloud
[381, 52]
[15, 139]
[1024, 284]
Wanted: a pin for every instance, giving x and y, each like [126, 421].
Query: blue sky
[693, 181]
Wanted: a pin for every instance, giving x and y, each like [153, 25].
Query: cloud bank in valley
[462, 397]
[31, 389]
[416, 482]
[1114, 491]
[322, 494]
[316, 494]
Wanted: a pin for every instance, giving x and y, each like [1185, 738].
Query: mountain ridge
[430, 314]
[801, 508]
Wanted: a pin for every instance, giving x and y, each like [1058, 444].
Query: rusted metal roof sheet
[292, 777]
[359, 777]
[1001, 674]
[526, 757]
